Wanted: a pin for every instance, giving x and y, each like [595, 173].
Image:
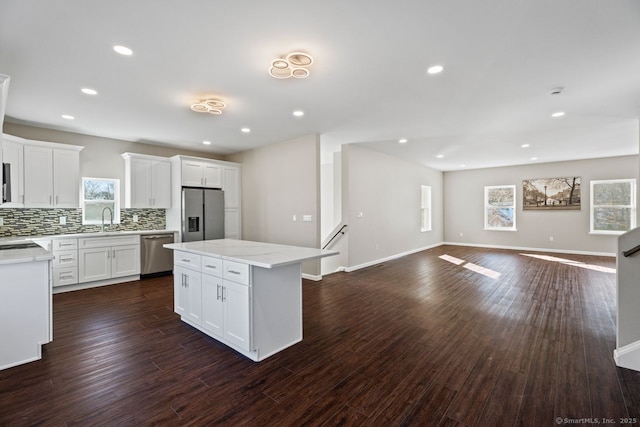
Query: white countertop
[266, 255]
[17, 239]
[15, 256]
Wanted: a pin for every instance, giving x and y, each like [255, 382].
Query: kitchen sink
[25, 245]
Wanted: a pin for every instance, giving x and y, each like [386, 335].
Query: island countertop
[259, 254]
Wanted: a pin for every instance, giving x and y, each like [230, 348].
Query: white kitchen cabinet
[232, 222]
[231, 186]
[147, 181]
[51, 176]
[65, 262]
[13, 153]
[102, 258]
[225, 305]
[201, 174]
[187, 288]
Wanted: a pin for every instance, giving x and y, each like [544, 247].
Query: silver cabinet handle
[50, 200]
[186, 260]
[56, 200]
[211, 266]
[217, 292]
[223, 298]
[233, 272]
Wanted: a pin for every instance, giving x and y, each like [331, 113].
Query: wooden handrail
[631, 251]
[335, 235]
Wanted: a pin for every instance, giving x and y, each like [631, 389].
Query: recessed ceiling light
[206, 142]
[245, 130]
[463, 166]
[440, 156]
[525, 146]
[402, 141]
[435, 69]
[534, 158]
[89, 91]
[123, 50]
[558, 114]
[68, 117]
[298, 113]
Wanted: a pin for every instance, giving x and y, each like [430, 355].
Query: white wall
[279, 181]
[386, 190]
[464, 206]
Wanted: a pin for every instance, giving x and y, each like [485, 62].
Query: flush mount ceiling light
[123, 50]
[211, 106]
[293, 65]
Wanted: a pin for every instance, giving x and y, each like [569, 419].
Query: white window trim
[116, 210]
[632, 206]
[427, 207]
[486, 205]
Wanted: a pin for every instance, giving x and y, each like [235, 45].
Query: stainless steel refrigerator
[202, 214]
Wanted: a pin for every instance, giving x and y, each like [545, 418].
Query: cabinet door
[38, 177]
[194, 292]
[192, 174]
[94, 264]
[236, 314]
[231, 187]
[212, 175]
[140, 185]
[66, 178]
[13, 153]
[232, 224]
[125, 260]
[180, 293]
[212, 305]
[161, 184]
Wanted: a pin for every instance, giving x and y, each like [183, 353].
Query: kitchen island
[247, 295]
[25, 303]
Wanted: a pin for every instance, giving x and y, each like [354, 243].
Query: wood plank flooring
[500, 339]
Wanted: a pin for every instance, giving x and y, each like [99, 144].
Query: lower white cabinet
[225, 310]
[187, 289]
[101, 258]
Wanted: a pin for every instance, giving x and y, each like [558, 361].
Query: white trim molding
[522, 248]
[389, 258]
[628, 356]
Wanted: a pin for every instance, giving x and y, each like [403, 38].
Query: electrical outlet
[551, 238]
[461, 234]
[360, 215]
[135, 218]
[1, 221]
[63, 220]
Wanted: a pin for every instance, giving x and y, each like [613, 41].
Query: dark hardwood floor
[416, 341]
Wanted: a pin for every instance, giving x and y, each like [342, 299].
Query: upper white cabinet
[201, 174]
[51, 175]
[147, 181]
[13, 153]
[231, 186]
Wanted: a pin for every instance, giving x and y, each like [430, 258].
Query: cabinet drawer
[107, 241]
[235, 272]
[64, 244]
[187, 260]
[62, 259]
[65, 276]
[212, 266]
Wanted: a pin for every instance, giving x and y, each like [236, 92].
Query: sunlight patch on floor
[573, 263]
[471, 266]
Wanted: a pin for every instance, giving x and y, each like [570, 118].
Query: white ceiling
[368, 83]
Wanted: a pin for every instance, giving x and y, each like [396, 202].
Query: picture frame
[546, 194]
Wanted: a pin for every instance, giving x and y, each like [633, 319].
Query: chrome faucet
[110, 215]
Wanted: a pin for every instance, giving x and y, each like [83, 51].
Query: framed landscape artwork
[551, 193]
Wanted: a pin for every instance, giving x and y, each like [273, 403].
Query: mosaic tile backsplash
[36, 222]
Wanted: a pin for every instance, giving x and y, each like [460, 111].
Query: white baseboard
[311, 277]
[628, 356]
[97, 283]
[522, 248]
[389, 258]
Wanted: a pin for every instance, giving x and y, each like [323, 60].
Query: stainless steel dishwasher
[154, 259]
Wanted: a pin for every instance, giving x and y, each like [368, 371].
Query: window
[98, 194]
[425, 208]
[613, 206]
[500, 207]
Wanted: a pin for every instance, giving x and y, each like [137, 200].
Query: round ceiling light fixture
[292, 65]
[123, 50]
[210, 105]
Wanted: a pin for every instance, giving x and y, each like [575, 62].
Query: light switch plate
[306, 218]
[135, 218]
